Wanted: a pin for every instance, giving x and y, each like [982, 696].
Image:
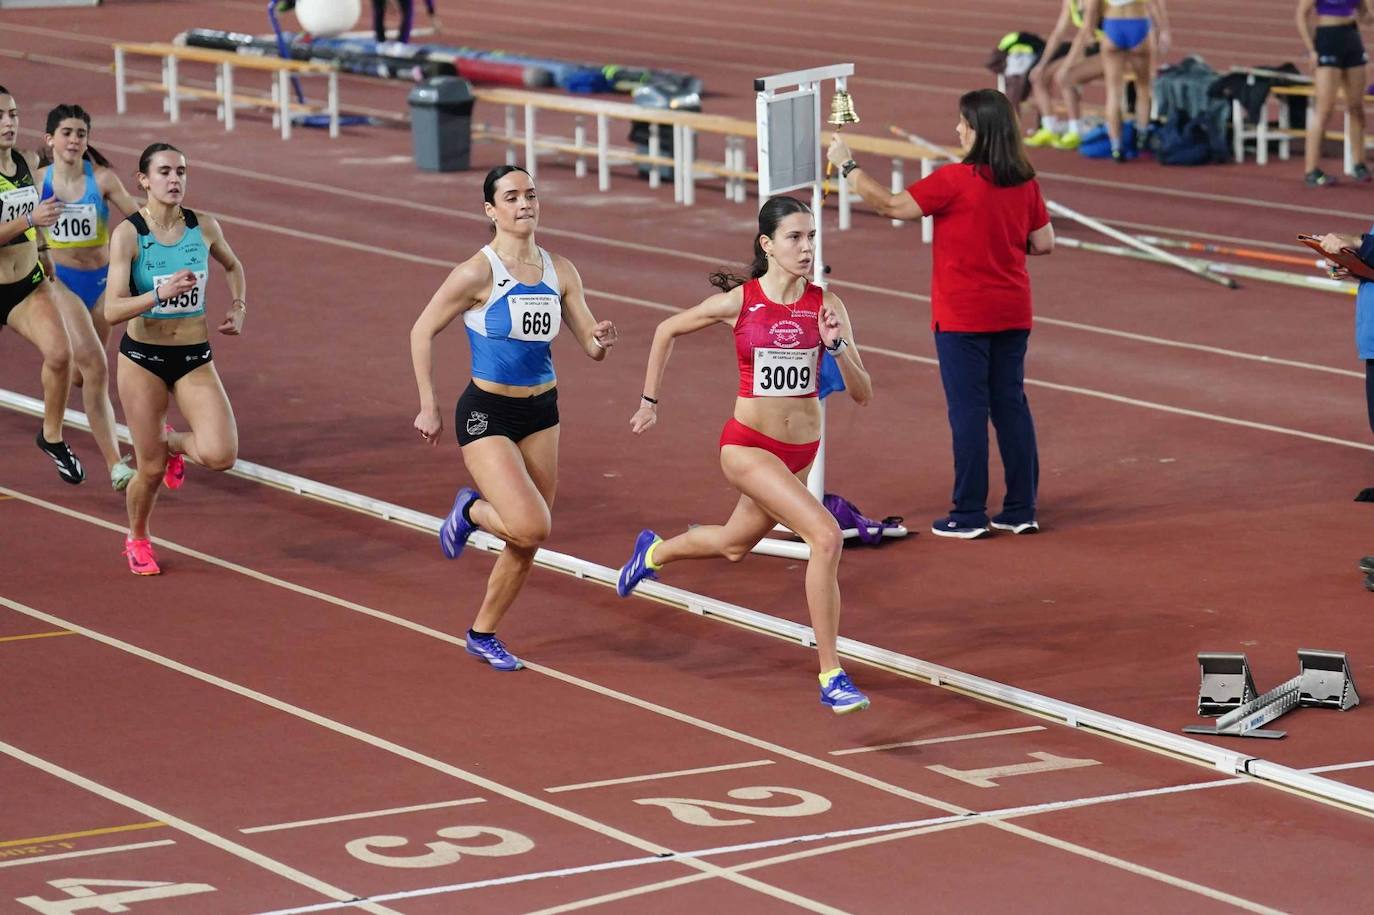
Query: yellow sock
[649, 556]
[829, 675]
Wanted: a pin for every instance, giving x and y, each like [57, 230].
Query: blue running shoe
[948, 527]
[842, 695]
[453, 535]
[493, 652]
[637, 569]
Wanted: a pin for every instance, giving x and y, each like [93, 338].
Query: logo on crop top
[503, 282]
[477, 423]
[786, 334]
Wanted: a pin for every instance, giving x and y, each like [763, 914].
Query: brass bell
[842, 109]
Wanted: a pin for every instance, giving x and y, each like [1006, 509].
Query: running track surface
[300, 663]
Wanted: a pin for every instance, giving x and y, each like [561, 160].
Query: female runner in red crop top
[780, 323]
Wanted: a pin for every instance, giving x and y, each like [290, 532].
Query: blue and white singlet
[510, 335]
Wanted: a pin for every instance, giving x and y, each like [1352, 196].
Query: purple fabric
[848, 516]
[1337, 7]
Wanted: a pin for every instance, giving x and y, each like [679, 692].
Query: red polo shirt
[979, 283]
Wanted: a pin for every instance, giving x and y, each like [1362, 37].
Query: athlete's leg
[37, 320]
[1142, 63]
[747, 525]
[1114, 75]
[519, 482]
[144, 397]
[90, 360]
[1327, 81]
[765, 479]
[213, 438]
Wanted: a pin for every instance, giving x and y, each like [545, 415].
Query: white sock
[1049, 122]
[1073, 125]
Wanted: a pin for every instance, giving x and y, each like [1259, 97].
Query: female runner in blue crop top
[1135, 33]
[513, 298]
[1338, 65]
[84, 184]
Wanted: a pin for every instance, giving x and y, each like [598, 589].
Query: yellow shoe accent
[1042, 137]
[649, 555]
[1068, 140]
[830, 675]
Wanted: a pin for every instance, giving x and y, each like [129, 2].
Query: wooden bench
[738, 135]
[1281, 130]
[279, 99]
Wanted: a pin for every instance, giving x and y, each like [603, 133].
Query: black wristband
[647, 398]
[848, 167]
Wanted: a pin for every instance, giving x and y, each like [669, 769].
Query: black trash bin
[663, 98]
[441, 124]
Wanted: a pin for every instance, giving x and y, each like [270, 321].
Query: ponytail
[725, 280]
[770, 215]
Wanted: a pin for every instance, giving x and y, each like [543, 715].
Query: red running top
[778, 346]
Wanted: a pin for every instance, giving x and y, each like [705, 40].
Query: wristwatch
[848, 167]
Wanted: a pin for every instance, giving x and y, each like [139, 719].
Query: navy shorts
[482, 414]
[1339, 46]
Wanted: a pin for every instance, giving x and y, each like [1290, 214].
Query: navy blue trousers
[379, 19]
[984, 377]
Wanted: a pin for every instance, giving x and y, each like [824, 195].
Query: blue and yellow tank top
[84, 222]
[155, 264]
[18, 198]
[1076, 14]
[511, 334]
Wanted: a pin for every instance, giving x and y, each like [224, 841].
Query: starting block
[1226, 682]
[1323, 681]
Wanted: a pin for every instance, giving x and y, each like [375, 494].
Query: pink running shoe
[175, 474]
[141, 558]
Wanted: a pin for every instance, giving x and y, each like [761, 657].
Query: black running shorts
[482, 414]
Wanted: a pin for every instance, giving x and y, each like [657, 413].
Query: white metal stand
[788, 113]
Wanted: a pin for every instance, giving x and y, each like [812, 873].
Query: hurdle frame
[770, 90]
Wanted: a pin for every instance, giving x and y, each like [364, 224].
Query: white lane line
[934, 740]
[457, 641]
[1124, 335]
[284, 871]
[659, 775]
[866, 835]
[88, 852]
[276, 827]
[1151, 405]
[707, 259]
[1341, 767]
[824, 765]
[410, 755]
[626, 698]
[1141, 871]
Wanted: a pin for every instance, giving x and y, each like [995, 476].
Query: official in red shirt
[989, 215]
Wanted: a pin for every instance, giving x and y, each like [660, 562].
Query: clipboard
[1346, 258]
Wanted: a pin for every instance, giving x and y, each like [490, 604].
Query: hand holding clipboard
[1345, 258]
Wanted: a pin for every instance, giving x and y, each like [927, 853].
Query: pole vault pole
[1158, 254]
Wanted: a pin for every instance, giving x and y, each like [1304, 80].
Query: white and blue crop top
[511, 333]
